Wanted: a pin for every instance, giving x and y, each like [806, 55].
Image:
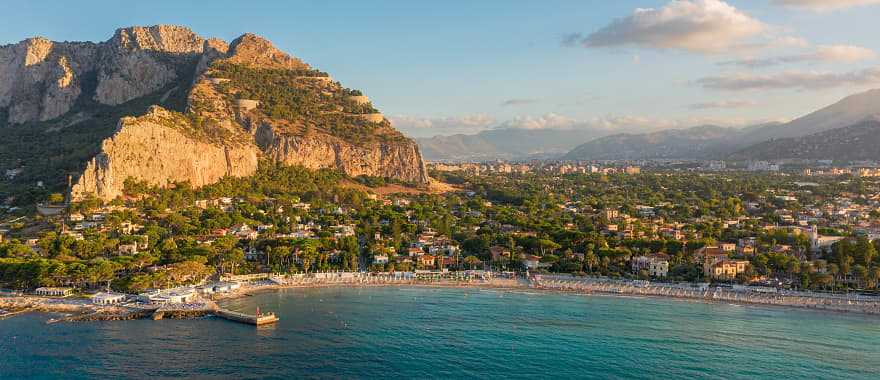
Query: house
[611, 214]
[746, 250]
[75, 235]
[54, 292]
[415, 251]
[108, 298]
[427, 261]
[244, 231]
[710, 254]
[342, 231]
[657, 265]
[129, 228]
[726, 269]
[820, 242]
[534, 262]
[127, 249]
[380, 259]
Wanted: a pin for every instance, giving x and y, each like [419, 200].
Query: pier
[251, 319]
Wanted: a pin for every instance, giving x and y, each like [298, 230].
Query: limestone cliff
[247, 102]
[161, 148]
[400, 160]
[138, 61]
[41, 79]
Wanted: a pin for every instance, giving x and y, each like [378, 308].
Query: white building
[226, 286]
[108, 298]
[176, 295]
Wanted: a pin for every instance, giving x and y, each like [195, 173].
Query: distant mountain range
[764, 141]
[860, 141]
[507, 143]
[800, 138]
[695, 143]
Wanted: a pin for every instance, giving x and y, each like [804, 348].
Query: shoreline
[79, 310]
[708, 298]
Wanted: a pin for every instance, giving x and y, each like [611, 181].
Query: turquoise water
[455, 333]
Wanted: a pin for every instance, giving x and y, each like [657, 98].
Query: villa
[726, 269]
[657, 265]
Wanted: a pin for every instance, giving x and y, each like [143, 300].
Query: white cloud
[844, 53]
[702, 26]
[822, 53]
[425, 126]
[473, 124]
[722, 104]
[548, 121]
[803, 80]
[824, 5]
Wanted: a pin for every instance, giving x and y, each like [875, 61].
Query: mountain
[506, 143]
[848, 111]
[696, 143]
[709, 142]
[161, 104]
[860, 141]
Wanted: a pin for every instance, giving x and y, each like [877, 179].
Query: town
[649, 223]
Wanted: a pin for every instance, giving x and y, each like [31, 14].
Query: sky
[444, 67]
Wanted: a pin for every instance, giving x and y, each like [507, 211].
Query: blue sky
[462, 66]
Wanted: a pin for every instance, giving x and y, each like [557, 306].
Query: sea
[453, 333]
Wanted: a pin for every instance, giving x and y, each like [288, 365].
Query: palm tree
[874, 276]
[833, 270]
[471, 261]
[861, 273]
[591, 260]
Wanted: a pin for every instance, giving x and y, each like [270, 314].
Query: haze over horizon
[462, 68]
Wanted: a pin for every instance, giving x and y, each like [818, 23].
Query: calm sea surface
[455, 333]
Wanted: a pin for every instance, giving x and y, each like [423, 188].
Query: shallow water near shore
[454, 333]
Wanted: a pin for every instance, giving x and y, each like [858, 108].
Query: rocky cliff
[161, 149]
[42, 79]
[245, 101]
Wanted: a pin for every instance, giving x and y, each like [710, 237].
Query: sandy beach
[74, 309]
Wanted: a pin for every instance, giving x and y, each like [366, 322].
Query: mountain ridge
[689, 144]
[174, 94]
[860, 141]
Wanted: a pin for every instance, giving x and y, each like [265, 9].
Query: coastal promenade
[742, 294]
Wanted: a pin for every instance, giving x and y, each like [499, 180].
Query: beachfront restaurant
[177, 295]
[108, 298]
[54, 292]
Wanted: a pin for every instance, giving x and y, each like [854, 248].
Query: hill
[860, 141]
[695, 143]
[848, 111]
